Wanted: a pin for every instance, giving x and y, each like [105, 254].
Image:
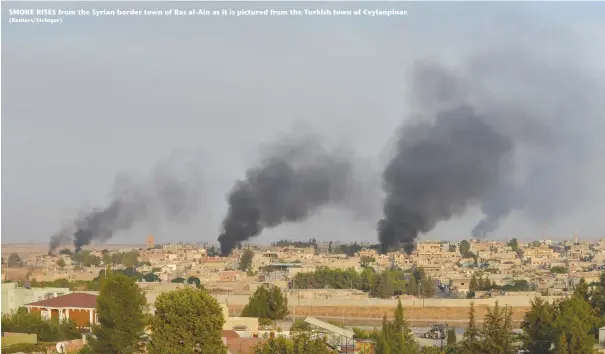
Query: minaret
[575, 239]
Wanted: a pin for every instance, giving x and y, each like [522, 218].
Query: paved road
[418, 331]
[366, 320]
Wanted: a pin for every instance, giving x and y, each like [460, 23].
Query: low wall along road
[369, 311]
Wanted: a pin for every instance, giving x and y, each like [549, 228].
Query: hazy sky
[93, 97]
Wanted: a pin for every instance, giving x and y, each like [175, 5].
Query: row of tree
[382, 285]
[191, 320]
[88, 259]
[563, 327]
[14, 261]
[568, 326]
[298, 244]
[302, 342]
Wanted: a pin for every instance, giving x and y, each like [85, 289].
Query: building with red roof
[78, 307]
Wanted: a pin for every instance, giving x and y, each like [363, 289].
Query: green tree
[451, 337]
[86, 258]
[563, 345]
[178, 280]
[120, 307]
[185, 321]
[366, 260]
[383, 288]
[428, 287]
[14, 260]
[497, 331]
[130, 259]
[465, 248]
[471, 339]
[150, 278]
[514, 244]
[399, 322]
[480, 283]
[576, 321]
[400, 340]
[582, 290]
[66, 251]
[452, 248]
[62, 283]
[267, 303]
[474, 285]
[61, 263]
[300, 343]
[558, 270]
[367, 279]
[597, 298]
[25, 348]
[382, 338]
[106, 258]
[245, 261]
[538, 332]
[413, 288]
[300, 325]
[196, 281]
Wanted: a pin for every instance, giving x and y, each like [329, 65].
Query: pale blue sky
[91, 97]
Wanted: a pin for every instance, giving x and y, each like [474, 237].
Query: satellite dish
[62, 347]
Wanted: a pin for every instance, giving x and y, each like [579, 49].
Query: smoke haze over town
[100, 104]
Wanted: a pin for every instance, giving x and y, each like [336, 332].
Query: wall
[13, 297]
[35, 310]
[250, 322]
[74, 345]
[81, 317]
[16, 338]
[510, 300]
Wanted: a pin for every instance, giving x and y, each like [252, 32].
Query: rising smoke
[438, 170]
[171, 191]
[505, 132]
[295, 179]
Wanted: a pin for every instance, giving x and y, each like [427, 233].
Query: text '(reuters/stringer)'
[58, 15]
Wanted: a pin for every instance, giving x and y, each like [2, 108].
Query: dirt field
[417, 316]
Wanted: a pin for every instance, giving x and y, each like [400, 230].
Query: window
[45, 314]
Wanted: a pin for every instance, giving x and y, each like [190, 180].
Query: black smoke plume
[293, 181]
[171, 192]
[506, 132]
[438, 170]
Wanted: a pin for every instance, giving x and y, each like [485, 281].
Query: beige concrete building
[427, 248]
[14, 297]
[248, 324]
[460, 284]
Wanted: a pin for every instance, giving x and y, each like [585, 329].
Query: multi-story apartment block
[428, 248]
